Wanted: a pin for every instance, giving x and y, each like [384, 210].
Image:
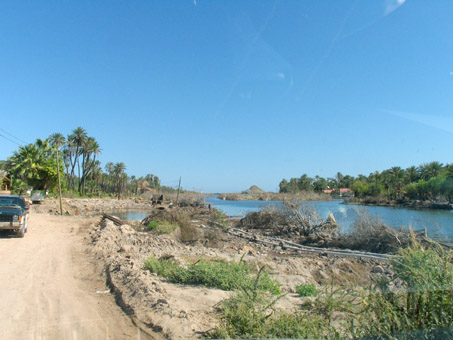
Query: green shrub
[306, 289]
[218, 273]
[167, 268]
[425, 304]
[162, 227]
[219, 217]
[421, 309]
[251, 313]
[152, 225]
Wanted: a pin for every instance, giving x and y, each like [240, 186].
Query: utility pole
[59, 182]
[177, 195]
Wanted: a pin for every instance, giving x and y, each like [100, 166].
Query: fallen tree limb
[116, 221]
[277, 242]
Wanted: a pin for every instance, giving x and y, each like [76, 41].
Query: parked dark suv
[14, 214]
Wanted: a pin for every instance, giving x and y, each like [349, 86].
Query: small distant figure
[209, 206]
[161, 199]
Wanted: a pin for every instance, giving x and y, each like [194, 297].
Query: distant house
[344, 192]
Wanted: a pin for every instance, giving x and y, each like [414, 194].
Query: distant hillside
[253, 190]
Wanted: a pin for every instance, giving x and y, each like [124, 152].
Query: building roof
[342, 190]
[345, 190]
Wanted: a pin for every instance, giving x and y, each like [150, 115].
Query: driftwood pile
[290, 220]
[304, 227]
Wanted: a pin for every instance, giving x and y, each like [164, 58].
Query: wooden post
[177, 195]
[59, 182]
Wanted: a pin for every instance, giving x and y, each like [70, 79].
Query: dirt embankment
[90, 206]
[185, 311]
[403, 203]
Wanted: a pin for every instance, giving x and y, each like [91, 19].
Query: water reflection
[439, 223]
[130, 215]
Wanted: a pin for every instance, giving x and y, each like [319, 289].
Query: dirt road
[50, 287]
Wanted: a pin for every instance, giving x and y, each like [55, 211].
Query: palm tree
[34, 164]
[396, 175]
[90, 148]
[76, 141]
[110, 168]
[23, 162]
[58, 140]
[412, 175]
[430, 170]
[118, 169]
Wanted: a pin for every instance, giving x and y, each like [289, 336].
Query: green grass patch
[425, 305]
[422, 308]
[152, 225]
[218, 273]
[162, 227]
[252, 314]
[306, 289]
[219, 217]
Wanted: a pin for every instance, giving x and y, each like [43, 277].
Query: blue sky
[227, 94]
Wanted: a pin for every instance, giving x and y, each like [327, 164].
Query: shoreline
[271, 196]
[416, 205]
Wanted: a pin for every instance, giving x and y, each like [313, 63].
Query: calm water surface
[131, 215]
[439, 223]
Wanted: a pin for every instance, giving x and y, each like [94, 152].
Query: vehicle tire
[20, 233]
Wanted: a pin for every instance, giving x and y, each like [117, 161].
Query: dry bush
[291, 219]
[189, 234]
[369, 233]
[181, 217]
[192, 201]
[269, 218]
[163, 215]
[306, 219]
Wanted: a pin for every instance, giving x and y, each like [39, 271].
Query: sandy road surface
[49, 284]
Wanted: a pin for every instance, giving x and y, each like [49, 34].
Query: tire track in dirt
[48, 285]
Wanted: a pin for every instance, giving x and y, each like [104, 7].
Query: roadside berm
[177, 311]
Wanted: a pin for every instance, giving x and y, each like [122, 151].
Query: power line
[9, 140]
[20, 140]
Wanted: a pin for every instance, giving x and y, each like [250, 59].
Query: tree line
[36, 166]
[429, 181]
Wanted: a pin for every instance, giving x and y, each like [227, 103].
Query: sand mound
[253, 190]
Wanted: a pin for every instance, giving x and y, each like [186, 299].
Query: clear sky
[228, 94]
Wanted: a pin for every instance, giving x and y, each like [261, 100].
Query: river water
[439, 223]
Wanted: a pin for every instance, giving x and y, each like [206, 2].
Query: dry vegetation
[184, 267]
[291, 220]
[303, 225]
[178, 283]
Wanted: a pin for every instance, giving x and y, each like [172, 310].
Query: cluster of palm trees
[79, 152]
[72, 163]
[317, 184]
[38, 165]
[428, 181]
[83, 172]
